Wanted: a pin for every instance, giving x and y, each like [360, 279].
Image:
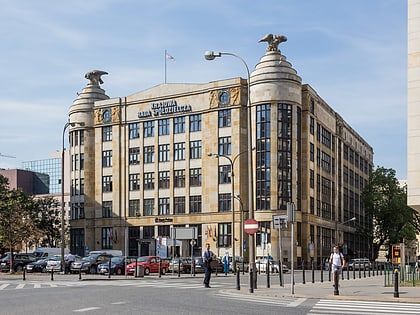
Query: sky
[353, 53]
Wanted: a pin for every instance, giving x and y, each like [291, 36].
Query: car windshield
[117, 259]
[143, 259]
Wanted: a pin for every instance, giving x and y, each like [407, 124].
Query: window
[164, 179]
[107, 238]
[149, 181]
[134, 208]
[107, 158]
[195, 177]
[311, 179]
[134, 156]
[179, 124]
[263, 236]
[179, 205]
[82, 186]
[163, 126]
[225, 202]
[179, 178]
[163, 206]
[134, 183]
[179, 151]
[163, 152]
[76, 162]
[225, 146]
[148, 129]
[195, 149]
[224, 174]
[82, 137]
[106, 133]
[225, 235]
[195, 123]
[195, 204]
[148, 207]
[107, 209]
[149, 154]
[82, 161]
[224, 118]
[133, 130]
[106, 183]
[311, 152]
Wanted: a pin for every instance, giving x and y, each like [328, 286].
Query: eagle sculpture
[95, 77]
[273, 41]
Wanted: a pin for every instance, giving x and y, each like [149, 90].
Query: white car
[54, 263]
[261, 265]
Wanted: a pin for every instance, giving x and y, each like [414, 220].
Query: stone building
[141, 166]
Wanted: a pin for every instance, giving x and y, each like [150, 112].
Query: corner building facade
[143, 168]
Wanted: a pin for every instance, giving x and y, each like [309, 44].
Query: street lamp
[232, 176]
[336, 228]
[241, 237]
[62, 268]
[211, 55]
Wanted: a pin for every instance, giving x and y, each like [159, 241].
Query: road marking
[288, 302]
[87, 309]
[20, 286]
[364, 307]
[119, 303]
[3, 286]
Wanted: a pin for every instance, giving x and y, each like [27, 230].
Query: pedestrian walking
[208, 257]
[337, 262]
[226, 263]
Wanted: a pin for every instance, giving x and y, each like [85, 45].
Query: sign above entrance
[164, 108]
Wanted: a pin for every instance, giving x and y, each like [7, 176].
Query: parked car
[216, 264]
[118, 264]
[359, 264]
[54, 262]
[37, 266]
[261, 266]
[19, 261]
[150, 264]
[183, 264]
[89, 264]
[240, 262]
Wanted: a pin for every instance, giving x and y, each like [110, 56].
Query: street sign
[280, 221]
[251, 226]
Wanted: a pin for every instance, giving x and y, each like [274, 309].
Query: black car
[37, 266]
[19, 261]
[89, 264]
[216, 265]
[118, 264]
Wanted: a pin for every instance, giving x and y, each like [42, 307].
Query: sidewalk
[366, 289]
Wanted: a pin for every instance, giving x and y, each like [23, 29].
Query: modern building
[141, 167]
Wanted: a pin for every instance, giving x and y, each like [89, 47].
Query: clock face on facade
[224, 97]
[106, 115]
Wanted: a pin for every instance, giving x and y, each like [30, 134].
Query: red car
[150, 264]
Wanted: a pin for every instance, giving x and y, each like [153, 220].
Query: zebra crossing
[363, 307]
[267, 300]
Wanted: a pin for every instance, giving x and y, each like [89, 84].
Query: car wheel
[18, 268]
[147, 271]
[43, 270]
[163, 271]
[118, 271]
[92, 270]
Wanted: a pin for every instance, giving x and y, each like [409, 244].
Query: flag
[170, 57]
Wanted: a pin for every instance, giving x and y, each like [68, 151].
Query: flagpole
[165, 64]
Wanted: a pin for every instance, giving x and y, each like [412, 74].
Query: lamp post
[62, 268]
[232, 176]
[211, 55]
[241, 251]
[336, 228]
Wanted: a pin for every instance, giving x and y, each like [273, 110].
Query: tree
[16, 224]
[48, 221]
[385, 202]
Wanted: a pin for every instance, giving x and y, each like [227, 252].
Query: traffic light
[396, 254]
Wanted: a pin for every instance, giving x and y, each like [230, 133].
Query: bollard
[109, 269]
[238, 279]
[313, 271]
[179, 268]
[329, 272]
[52, 274]
[80, 273]
[336, 278]
[396, 293]
[281, 277]
[322, 274]
[255, 279]
[267, 271]
[348, 273]
[160, 269]
[243, 267]
[24, 276]
[354, 273]
[251, 281]
[259, 267]
[360, 272]
[193, 266]
[303, 272]
[364, 271]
